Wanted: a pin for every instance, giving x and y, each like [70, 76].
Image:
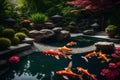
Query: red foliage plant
[93, 5]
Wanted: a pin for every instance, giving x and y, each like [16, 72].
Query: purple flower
[112, 65]
[104, 71]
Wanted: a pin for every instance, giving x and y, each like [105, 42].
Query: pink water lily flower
[118, 64]
[14, 59]
[117, 50]
[116, 55]
[112, 65]
[111, 75]
[104, 71]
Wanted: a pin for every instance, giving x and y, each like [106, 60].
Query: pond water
[38, 66]
[81, 41]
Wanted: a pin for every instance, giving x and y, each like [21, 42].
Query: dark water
[81, 41]
[38, 66]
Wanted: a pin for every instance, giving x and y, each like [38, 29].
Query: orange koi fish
[103, 57]
[84, 71]
[56, 54]
[68, 72]
[89, 55]
[71, 43]
[64, 48]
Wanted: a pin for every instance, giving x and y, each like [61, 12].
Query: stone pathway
[102, 35]
[42, 47]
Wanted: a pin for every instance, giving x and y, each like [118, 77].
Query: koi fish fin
[102, 61]
[99, 57]
[80, 77]
[84, 58]
[69, 56]
[57, 57]
[93, 77]
[69, 66]
[65, 77]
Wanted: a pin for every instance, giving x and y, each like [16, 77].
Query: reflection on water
[38, 66]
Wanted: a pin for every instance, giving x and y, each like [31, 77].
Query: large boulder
[47, 33]
[37, 35]
[64, 35]
[107, 46]
[57, 29]
[41, 35]
[88, 32]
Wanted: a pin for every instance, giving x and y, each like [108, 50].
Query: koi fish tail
[84, 58]
[93, 77]
[80, 77]
[108, 60]
[69, 56]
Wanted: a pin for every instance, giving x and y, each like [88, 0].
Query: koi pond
[38, 66]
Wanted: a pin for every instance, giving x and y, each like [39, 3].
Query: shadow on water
[38, 66]
[81, 41]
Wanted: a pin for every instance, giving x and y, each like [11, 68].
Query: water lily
[116, 55]
[112, 65]
[104, 71]
[14, 59]
[110, 75]
[118, 64]
[117, 50]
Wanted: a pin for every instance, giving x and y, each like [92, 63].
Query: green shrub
[24, 30]
[15, 40]
[111, 28]
[21, 35]
[4, 43]
[1, 29]
[8, 33]
[38, 18]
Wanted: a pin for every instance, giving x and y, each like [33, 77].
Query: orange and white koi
[89, 55]
[56, 54]
[84, 71]
[67, 72]
[71, 43]
[103, 57]
[64, 48]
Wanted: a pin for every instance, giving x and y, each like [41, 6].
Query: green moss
[15, 40]
[8, 33]
[21, 35]
[4, 43]
[24, 30]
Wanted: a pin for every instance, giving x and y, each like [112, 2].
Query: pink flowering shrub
[93, 5]
[113, 68]
[112, 72]
[116, 55]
